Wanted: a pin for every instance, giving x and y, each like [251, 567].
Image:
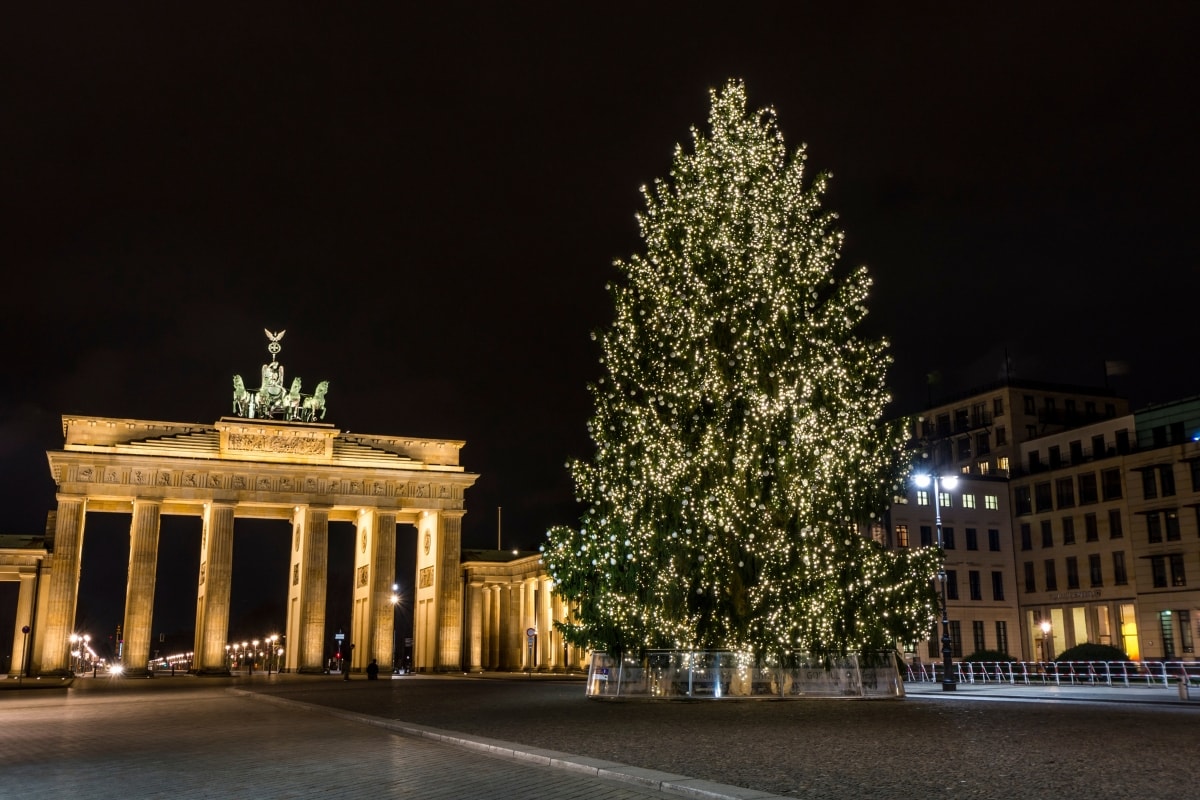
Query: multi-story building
[1072, 546]
[978, 436]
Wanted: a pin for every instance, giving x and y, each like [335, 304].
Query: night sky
[429, 202]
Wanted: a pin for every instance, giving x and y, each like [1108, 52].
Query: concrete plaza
[515, 736]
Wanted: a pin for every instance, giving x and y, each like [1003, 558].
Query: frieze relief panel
[448, 494]
[266, 443]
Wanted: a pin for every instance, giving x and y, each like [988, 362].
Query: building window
[994, 540]
[1055, 457]
[1185, 631]
[1047, 534]
[1022, 501]
[985, 467]
[1051, 576]
[972, 539]
[1002, 463]
[1031, 432]
[1194, 469]
[982, 445]
[1149, 486]
[926, 536]
[977, 632]
[1153, 527]
[1030, 404]
[1120, 577]
[1001, 436]
[1002, 636]
[1076, 449]
[1068, 524]
[997, 406]
[877, 533]
[1026, 536]
[1115, 529]
[1065, 489]
[1094, 570]
[1110, 484]
[902, 536]
[1091, 528]
[1171, 518]
[973, 584]
[1087, 489]
[956, 638]
[1072, 572]
[948, 538]
[1042, 497]
[1158, 571]
[968, 501]
[1166, 479]
[951, 584]
[964, 448]
[1167, 631]
[1178, 578]
[997, 586]
[991, 502]
[1098, 446]
[922, 497]
[1030, 584]
[944, 500]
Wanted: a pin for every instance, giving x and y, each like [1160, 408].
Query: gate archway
[308, 473]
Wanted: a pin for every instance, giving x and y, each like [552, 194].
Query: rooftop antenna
[498, 547]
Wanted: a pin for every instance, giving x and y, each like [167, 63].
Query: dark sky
[429, 203]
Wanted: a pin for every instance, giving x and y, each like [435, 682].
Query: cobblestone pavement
[511, 736]
[195, 738]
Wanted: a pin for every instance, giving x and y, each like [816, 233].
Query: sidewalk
[1156, 695]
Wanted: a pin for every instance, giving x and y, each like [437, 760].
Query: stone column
[214, 587]
[54, 638]
[514, 634]
[528, 620]
[139, 591]
[545, 626]
[449, 591]
[305, 649]
[20, 645]
[488, 599]
[475, 633]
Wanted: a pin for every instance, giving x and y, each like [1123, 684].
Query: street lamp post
[1047, 653]
[949, 684]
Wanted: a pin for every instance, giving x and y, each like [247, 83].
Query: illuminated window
[944, 500]
[984, 468]
[922, 497]
[991, 502]
[1002, 463]
[902, 536]
[968, 501]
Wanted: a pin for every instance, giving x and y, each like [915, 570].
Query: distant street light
[949, 684]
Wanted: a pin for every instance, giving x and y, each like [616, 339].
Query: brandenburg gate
[274, 459]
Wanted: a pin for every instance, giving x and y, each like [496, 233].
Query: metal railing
[1063, 673]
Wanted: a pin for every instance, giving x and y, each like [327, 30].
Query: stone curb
[610, 770]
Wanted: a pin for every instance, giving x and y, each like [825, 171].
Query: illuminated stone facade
[310, 474]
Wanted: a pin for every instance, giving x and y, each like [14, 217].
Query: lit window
[991, 502]
[1002, 463]
[984, 467]
[902, 536]
[944, 500]
[922, 497]
[968, 501]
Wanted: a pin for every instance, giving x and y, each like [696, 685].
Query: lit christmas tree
[740, 443]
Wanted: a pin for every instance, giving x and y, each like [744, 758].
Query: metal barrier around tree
[712, 674]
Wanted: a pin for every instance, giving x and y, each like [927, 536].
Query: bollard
[1183, 689]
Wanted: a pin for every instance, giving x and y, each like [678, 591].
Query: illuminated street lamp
[949, 684]
[74, 653]
[1047, 654]
[270, 644]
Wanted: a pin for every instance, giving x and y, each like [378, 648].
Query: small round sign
[531, 632]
